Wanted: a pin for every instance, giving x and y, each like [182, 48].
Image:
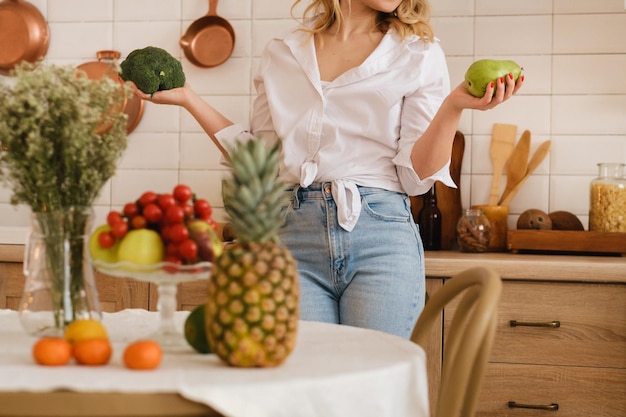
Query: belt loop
[297, 196]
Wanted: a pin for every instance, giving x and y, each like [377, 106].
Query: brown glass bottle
[429, 220]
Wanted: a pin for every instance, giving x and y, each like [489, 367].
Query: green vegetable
[152, 69]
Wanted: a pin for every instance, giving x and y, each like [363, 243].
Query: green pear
[484, 71]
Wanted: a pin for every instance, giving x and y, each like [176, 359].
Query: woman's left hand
[505, 87]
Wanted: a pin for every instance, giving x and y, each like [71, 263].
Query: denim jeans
[371, 277]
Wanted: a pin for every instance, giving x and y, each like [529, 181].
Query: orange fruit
[93, 352]
[84, 329]
[52, 351]
[143, 354]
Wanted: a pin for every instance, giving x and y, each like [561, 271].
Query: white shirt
[358, 129]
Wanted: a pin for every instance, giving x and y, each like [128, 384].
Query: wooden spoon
[517, 163]
[502, 143]
[534, 162]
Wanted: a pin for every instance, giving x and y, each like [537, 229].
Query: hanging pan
[209, 40]
[95, 70]
[24, 34]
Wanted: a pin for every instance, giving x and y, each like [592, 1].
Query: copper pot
[24, 34]
[95, 70]
[210, 40]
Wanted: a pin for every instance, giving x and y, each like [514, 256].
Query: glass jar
[473, 230]
[607, 199]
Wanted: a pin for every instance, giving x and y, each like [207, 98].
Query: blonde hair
[411, 17]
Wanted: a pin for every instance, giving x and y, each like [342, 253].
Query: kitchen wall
[573, 53]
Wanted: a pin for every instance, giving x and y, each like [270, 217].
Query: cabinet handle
[550, 407]
[553, 323]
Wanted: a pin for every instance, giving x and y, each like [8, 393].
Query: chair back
[468, 340]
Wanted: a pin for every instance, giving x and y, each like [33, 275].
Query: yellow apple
[99, 253]
[141, 247]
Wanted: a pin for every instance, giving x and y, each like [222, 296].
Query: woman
[359, 95]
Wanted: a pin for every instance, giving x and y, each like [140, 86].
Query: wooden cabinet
[559, 346]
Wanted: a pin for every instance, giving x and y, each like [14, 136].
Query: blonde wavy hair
[411, 17]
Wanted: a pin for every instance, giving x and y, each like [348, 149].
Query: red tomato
[153, 213]
[178, 233]
[106, 240]
[202, 208]
[131, 210]
[172, 250]
[114, 217]
[147, 198]
[119, 229]
[188, 250]
[188, 209]
[139, 222]
[171, 259]
[165, 201]
[182, 193]
[175, 214]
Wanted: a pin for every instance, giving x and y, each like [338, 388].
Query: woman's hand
[175, 96]
[505, 88]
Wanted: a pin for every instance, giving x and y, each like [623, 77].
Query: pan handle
[212, 8]
[108, 55]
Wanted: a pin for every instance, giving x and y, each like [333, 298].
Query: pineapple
[253, 301]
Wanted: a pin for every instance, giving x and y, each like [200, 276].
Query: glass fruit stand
[166, 276]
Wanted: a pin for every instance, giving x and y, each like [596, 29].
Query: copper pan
[95, 70]
[209, 40]
[24, 34]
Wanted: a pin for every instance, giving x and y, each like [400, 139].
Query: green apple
[484, 71]
[141, 247]
[209, 244]
[99, 253]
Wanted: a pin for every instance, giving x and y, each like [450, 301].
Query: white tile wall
[573, 53]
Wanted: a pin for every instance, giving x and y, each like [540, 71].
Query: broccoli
[152, 69]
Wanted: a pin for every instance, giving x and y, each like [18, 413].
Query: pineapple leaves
[254, 195]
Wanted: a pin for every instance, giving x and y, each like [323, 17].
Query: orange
[84, 329]
[93, 352]
[52, 351]
[143, 354]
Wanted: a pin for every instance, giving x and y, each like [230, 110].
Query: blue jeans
[371, 277]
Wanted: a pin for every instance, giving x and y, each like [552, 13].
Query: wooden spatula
[502, 143]
[534, 162]
[517, 163]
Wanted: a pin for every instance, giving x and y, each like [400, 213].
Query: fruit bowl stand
[166, 276]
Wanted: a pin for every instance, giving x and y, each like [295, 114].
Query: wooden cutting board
[448, 199]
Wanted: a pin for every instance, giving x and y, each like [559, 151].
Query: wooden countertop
[508, 265]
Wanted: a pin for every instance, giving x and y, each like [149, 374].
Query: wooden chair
[468, 341]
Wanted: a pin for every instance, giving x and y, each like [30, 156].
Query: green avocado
[484, 71]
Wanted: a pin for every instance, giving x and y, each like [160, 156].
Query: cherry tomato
[172, 250]
[106, 240]
[202, 209]
[178, 233]
[165, 201]
[213, 223]
[119, 229]
[182, 193]
[188, 250]
[131, 210]
[147, 198]
[114, 217]
[172, 259]
[188, 209]
[139, 222]
[175, 214]
[153, 213]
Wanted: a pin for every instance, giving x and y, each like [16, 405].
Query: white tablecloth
[334, 371]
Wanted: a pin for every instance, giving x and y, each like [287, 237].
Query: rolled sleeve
[412, 184]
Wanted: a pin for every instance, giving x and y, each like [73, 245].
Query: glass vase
[60, 283]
